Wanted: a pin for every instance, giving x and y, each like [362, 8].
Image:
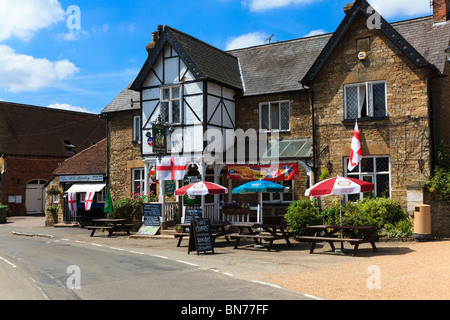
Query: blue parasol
[259, 186]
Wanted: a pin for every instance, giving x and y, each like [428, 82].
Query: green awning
[289, 149]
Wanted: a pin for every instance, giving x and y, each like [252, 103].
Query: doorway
[34, 196]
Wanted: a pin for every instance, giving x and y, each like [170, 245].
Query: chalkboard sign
[152, 214]
[200, 239]
[191, 214]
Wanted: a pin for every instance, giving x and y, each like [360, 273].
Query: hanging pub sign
[277, 172]
[159, 138]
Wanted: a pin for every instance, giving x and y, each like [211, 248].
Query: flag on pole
[108, 203]
[171, 168]
[88, 200]
[72, 200]
[356, 154]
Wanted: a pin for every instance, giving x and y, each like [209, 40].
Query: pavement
[283, 263]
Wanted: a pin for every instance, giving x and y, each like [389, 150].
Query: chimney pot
[156, 35]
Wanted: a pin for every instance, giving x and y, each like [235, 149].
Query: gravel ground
[422, 272]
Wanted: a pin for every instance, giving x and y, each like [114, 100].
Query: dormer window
[69, 147]
[171, 104]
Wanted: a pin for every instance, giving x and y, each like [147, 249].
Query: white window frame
[171, 100]
[269, 104]
[360, 174]
[370, 111]
[141, 181]
[137, 129]
[276, 197]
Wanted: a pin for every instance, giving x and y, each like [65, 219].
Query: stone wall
[300, 126]
[123, 153]
[404, 135]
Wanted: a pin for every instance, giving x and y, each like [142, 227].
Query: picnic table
[110, 225]
[259, 232]
[218, 229]
[355, 235]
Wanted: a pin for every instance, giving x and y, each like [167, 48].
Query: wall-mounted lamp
[362, 56]
[447, 52]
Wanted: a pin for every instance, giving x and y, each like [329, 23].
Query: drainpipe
[314, 147]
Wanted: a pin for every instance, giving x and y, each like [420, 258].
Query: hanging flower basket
[54, 191]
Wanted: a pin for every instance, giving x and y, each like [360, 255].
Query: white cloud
[390, 9]
[65, 106]
[315, 33]
[263, 5]
[19, 72]
[72, 35]
[22, 18]
[247, 40]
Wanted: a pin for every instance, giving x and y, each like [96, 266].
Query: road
[50, 268]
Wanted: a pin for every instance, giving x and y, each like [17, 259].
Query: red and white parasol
[201, 188]
[339, 186]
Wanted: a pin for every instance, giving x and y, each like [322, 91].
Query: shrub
[300, 214]
[378, 212]
[332, 215]
[402, 229]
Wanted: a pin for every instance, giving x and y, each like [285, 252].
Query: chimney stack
[348, 7]
[441, 10]
[156, 35]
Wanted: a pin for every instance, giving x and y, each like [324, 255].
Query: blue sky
[44, 63]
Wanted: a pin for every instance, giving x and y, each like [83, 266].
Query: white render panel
[187, 76]
[196, 103]
[148, 94]
[171, 71]
[146, 149]
[153, 80]
[148, 108]
[193, 88]
[214, 89]
[214, 116]
[230, 107]
[228, 93]
[193, 139]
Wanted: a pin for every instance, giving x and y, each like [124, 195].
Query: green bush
[332, 215]
[439, 183]
[378, 212]
[402, 229]
[300, 214]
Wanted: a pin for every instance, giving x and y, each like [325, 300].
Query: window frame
[269, 104]
[370, 106]
[272, 195]
[361, 174]
[141, 181]
[170, 102]
[137, 129]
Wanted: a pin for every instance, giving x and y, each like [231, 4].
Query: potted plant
[178, 229]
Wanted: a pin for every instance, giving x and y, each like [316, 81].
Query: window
[365, 100]
[137, 129]
[286, 196]
[171, 104]
[371, 169]
[138, 179]
[274, 116]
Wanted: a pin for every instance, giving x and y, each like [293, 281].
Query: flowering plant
[235, 208]
[53, 208]
[54, 190]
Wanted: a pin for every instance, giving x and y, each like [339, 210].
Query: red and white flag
[72, 200]
[171, 168]
[88, 200]
[356, 154]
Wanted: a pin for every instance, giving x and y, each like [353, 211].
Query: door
[34, 196]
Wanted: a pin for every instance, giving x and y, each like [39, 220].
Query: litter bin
[422, 222]
[2, 214]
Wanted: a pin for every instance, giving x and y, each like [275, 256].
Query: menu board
[200, 238]
[191, 214]
[152, 214]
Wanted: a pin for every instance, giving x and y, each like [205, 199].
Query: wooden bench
[180, 236]
[94, 228]
[266, 237]
[353, 241]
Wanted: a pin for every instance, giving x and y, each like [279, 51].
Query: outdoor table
[259, 232]
[110, 225]
[352, 234]
[218, 229]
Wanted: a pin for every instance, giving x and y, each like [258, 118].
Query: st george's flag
[356, 154]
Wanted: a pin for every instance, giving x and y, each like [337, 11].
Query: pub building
[304, 94]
